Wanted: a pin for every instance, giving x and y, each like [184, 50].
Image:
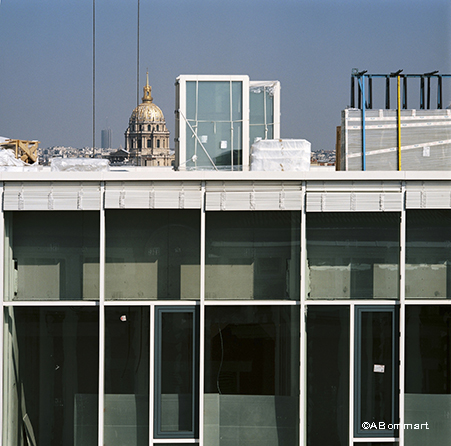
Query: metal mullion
[303, 334]
[250, 302]
[402, 312]
[202, 318]
[427, 302]
[146, 303]
[2, 288]
[151, 373]
[352, 301]
[351, 372]
[101, 319]
[51, 303]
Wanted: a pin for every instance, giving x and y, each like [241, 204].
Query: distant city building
[106, 139]
[147, 137]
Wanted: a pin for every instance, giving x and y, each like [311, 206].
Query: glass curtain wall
[251, 375]
[214, 129]
[152, 254]
[428, 254]
[50, 376]
[428, 375]
[52, 255]
[126, 400]
[352, 255]
[253, 255]
[328, 376]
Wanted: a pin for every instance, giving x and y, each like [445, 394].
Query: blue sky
[309, 45]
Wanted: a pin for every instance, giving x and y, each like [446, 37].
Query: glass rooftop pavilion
[226, 308]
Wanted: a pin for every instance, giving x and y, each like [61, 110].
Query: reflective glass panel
[52, 255]
[252, 255]
[152, 254]
[251, 375]
[428, 254]
[427, 375]
[328, 376]
[50, 393]
[175, 396]
[352, 256]
[126, 402]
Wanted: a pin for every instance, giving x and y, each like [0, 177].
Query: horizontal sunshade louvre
[428, 195]
[62, 196]
[258, 196]
[351, 201]
[353, 186]
[153, 195]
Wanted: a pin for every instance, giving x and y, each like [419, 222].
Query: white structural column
[2, 293]
[101, 315]
[202, 318]
[152, 374]
[351, 372]
[402, 313]
[302, 325]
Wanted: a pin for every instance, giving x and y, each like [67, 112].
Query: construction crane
[25, 150]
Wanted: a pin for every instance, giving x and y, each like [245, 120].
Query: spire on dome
[147, 90]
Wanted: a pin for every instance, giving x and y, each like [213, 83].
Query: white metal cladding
[353, 201]
[250, 196]
[51, 195]
[428, 194]
[153, 195]
[348, 196]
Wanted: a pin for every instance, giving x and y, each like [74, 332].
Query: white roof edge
[212, 77]
[146, 174]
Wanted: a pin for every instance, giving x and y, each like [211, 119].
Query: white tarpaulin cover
[79, 165]
[276, 155]
[9, 162]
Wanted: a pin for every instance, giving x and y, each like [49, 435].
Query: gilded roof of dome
[147, 111]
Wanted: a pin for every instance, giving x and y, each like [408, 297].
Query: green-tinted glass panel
[261, 113]
[251, 375]
[353, 256]
[50, 376]
[214, 127]
[428, 254]
[152, 254]
[52, 255]
[126, 402]
[252, 255]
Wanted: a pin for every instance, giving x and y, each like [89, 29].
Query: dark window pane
[252, 375]
[127, 375]
[51, 376]
[175, 392]
[328, 376]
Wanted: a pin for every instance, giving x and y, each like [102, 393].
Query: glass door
[176, 393]
[376, 365]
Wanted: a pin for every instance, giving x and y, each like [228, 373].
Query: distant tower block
[147, 137]
[106, 139]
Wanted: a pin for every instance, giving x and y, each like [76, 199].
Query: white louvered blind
[253, 196]
[46, 195]
[428, 195]
[153, 195]
[359, 196]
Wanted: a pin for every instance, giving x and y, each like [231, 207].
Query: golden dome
[147, 111]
